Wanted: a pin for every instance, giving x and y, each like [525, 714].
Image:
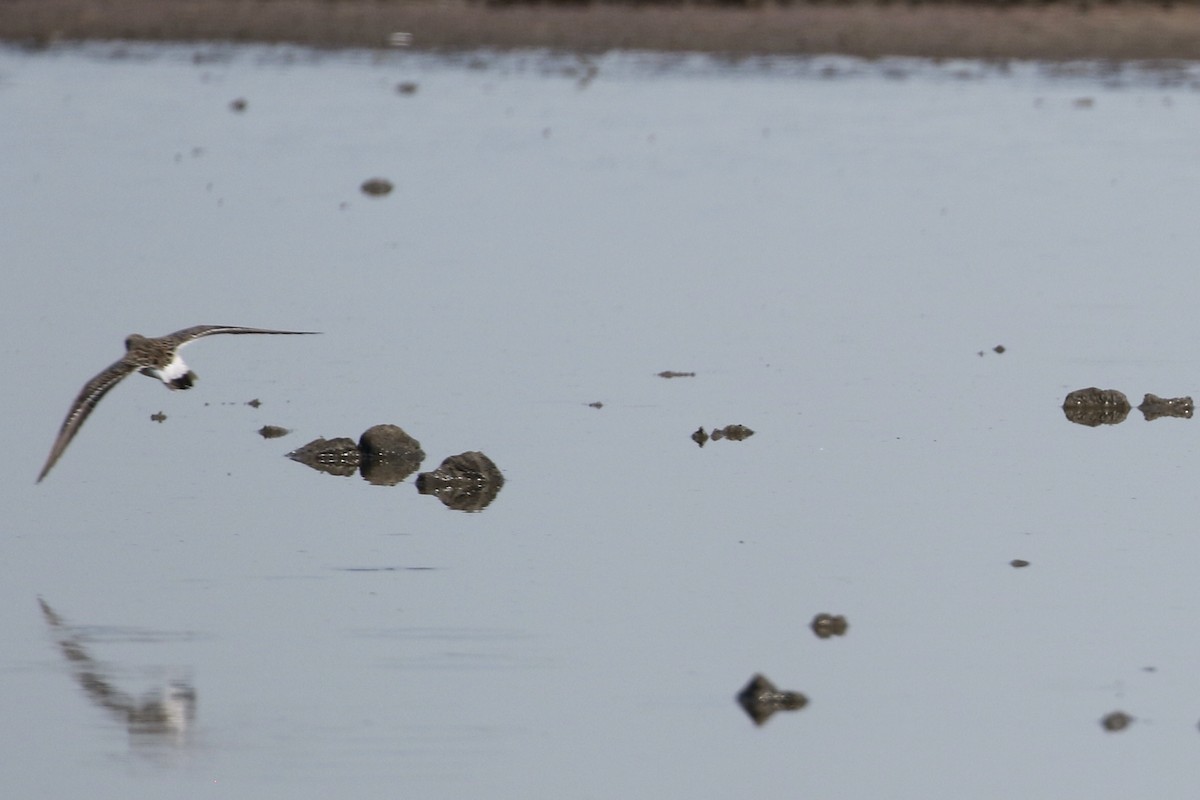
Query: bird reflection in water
[164, 715]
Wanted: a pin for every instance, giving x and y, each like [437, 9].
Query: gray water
[833, 247]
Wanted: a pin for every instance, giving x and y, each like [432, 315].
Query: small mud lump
[827, 625]
[734, 433]
[761, 699]
[1116, 721]
[376, 187]
[272, 431]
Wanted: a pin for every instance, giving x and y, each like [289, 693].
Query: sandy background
[1128, 30]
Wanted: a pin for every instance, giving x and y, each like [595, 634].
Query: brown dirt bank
[1053, 32]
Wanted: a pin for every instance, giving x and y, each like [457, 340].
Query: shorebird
[157, 358]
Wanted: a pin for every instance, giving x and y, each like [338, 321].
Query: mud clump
[1116, 721]
[466, 482]
[1018, 563]
[384, 454]
[406, 87]
[761, 699]
[238, 106]
[338, 456]
[1153, 407]
[159, 417]
[376, 187]
[1094, 407]
[828, 625]
[389, 454]
[272, 431]
[667, 373]
[734, 433]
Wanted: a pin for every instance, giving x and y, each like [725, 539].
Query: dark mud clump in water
[389, 454]
[159, 417]
[1153, 407]
[376, 187]
[272, 431]
[255, 403]
[734, 433]
[666, 373]
[1116, 721]
[238, 105]
[466, 482]
[596, 404]
[1018, 563]
[336, 456]
[1094, 407]
[699, 436]
[827, 625]
[406, 87]
[761, 699]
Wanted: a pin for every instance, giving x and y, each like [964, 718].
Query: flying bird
[157, 358]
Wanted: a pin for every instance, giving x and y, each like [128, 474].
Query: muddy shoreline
[1055, 32]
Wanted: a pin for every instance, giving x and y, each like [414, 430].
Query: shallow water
[829, 245]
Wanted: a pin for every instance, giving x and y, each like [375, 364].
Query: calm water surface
[827, 244]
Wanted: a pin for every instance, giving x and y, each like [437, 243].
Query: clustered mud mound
[1094, 407]
[385, 455]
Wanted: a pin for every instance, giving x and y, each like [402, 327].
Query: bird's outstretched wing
[88, 397]
[180, 338]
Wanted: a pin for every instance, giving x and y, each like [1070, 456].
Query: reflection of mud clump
[376, 187]
[761, 699]
[1116, 721]
[1093, 407]
[1153, 407]
[272, 431]
[336, 456]
[466, 482]
[827, 625]
[159, 417]
[389, 454]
